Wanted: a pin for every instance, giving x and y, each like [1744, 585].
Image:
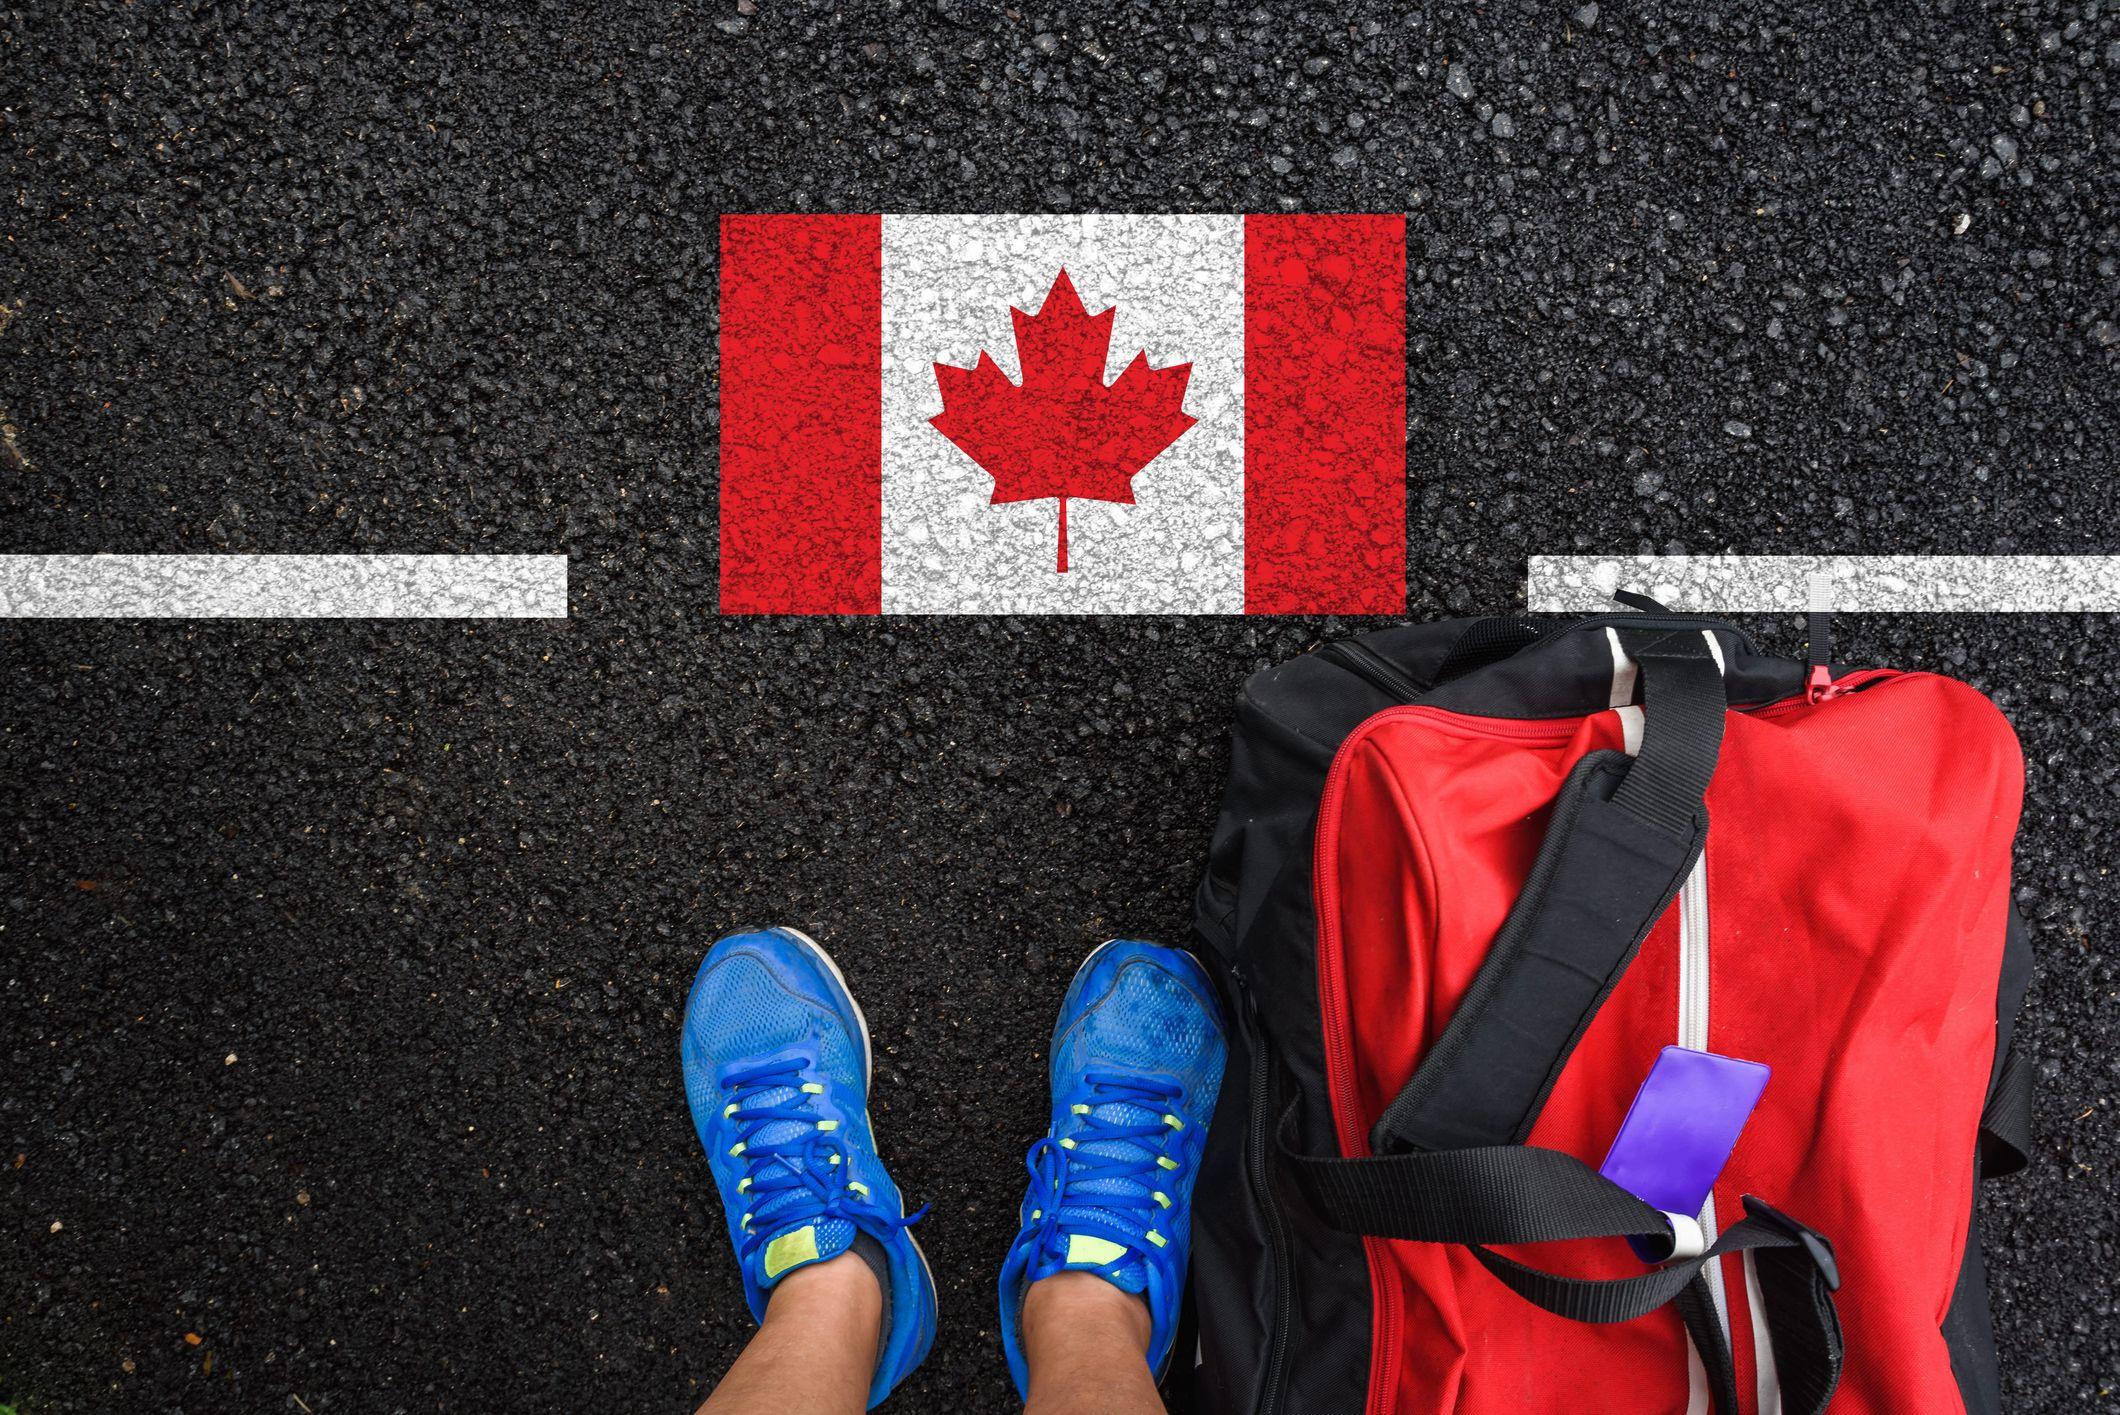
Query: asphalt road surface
[341, 962]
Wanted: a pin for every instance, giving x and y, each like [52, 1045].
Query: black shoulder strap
[1621, 841]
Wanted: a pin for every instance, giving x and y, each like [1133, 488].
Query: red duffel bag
[1471, 882]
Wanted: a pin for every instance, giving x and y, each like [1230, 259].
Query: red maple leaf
[1064, 432]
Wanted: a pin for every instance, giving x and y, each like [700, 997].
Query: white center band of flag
[1768, 584]
[283, 586]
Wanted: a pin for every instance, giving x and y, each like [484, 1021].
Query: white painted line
[283, 586]
[1773, 584]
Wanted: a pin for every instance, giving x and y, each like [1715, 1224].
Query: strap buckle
[1814, 1243]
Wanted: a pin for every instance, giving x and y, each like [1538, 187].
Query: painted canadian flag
[1063, 414]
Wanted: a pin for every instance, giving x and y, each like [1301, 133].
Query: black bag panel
[2010, 988]
[1968, 1326]
[1276, 771]
[1969, 1331]
[2006, 1119]
[1291, 719]
[1565, 670]
[1235, 1268]
[1278, 966]
[1324, 699]
[1283, 1301]
[1333, 1320]
[1324, 1366]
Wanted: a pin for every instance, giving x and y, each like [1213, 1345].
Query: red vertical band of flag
[801, 414]
[1324, 414]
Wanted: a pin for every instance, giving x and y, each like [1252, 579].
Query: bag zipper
[1673, 622]
[1382, 1383]
[1693, 957]
[1387, 677]
[1263, 1122]
[1372, 667]
[1693, 1000]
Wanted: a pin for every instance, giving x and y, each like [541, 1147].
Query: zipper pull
[1818, 684]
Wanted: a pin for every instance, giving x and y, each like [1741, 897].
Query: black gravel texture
[342, 962]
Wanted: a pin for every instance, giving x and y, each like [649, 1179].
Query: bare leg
[1087, 1344]
[816, 1349]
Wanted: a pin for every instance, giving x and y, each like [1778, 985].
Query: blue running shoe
[1137, 1063]
[776, 1064]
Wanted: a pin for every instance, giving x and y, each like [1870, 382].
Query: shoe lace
[1124, 1158]
[791, 1180]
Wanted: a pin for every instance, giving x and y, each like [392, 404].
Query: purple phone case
[1680, 1131]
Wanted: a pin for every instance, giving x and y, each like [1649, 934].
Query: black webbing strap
[1482, 1194]
[1507, 1194]
[1682, 728]
[1797, 1278]
[1622, 838]
[1818, 621]
[2006, 1120]
[1763, 1231]
[1704, 1323]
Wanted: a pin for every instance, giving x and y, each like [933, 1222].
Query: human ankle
[842, 1288]
[1073, 1302]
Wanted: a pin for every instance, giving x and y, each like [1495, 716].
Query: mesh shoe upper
[776, 1068]
[1136, 1067]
